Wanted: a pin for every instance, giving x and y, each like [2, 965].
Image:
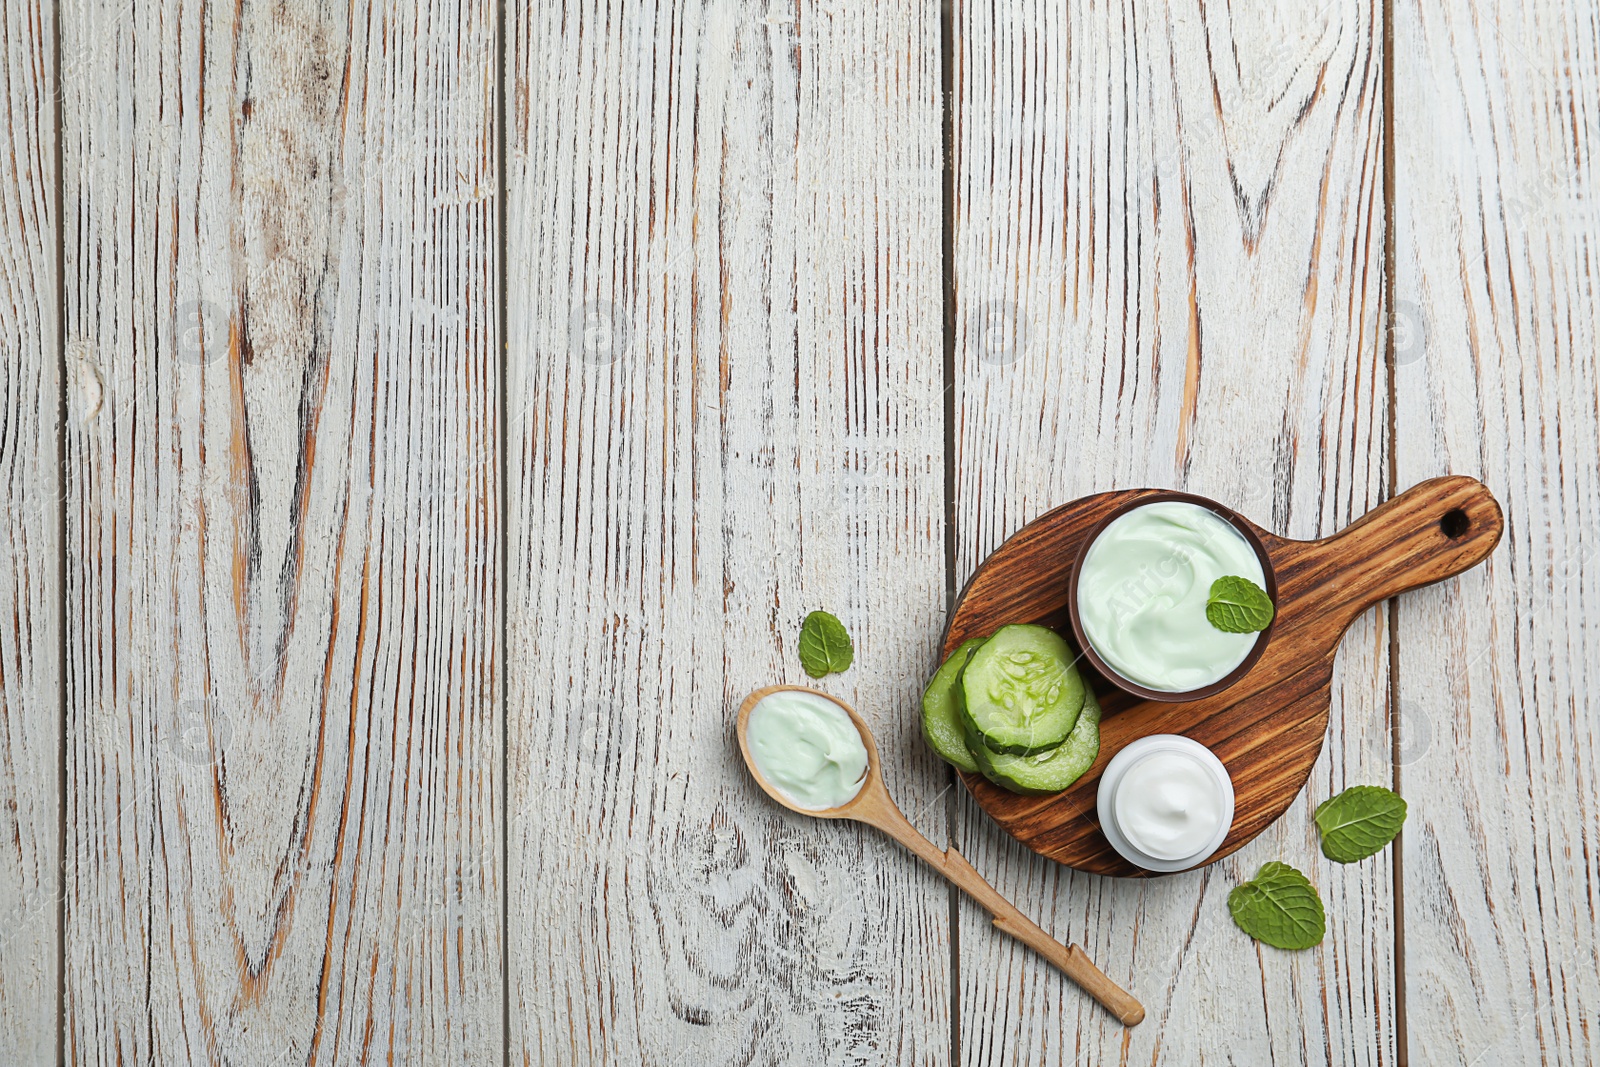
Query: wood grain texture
[1168, 259]
[1268, 726]
[30, 569]
[725, 412]
[1496, 111]
[282, 729]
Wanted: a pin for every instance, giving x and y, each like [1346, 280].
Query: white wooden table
[425, 422]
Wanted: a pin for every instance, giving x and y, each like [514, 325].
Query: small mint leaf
[1359, 822]
[825, 646]
[1238, 605]
[1279, 907]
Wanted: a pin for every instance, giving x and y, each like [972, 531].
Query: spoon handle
[1071, 960]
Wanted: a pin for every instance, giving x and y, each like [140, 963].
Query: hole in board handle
[1455, 524]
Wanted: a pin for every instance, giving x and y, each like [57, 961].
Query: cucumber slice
[941, 709]
[1050, 771]
[1021, 691]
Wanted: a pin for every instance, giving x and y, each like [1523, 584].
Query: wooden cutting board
[1268, 727]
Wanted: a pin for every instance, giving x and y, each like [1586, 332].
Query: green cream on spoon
[808, 748]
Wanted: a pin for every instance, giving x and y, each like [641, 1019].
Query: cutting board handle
[1432, 531]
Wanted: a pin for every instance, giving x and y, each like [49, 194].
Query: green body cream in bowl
[1140, 590]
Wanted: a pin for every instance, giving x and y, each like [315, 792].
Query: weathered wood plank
[30, 570]
[1168, 257]
[1496, 106]
[283, 751]
[724, 411]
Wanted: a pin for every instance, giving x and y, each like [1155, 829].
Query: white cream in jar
[1165, 802]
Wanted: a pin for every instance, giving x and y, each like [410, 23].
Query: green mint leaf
[1279, 907]
[1238, 605]
[1359, 822]
[825, 646]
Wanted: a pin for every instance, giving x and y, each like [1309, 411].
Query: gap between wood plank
[1392, 609]
[58, 90]
[947, 271]
[502, 472]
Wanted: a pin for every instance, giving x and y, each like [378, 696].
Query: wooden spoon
[873, 807]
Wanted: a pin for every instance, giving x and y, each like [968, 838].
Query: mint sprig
[1279, 907]
[1238, 605]
[1359, 822]
[825, 645]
